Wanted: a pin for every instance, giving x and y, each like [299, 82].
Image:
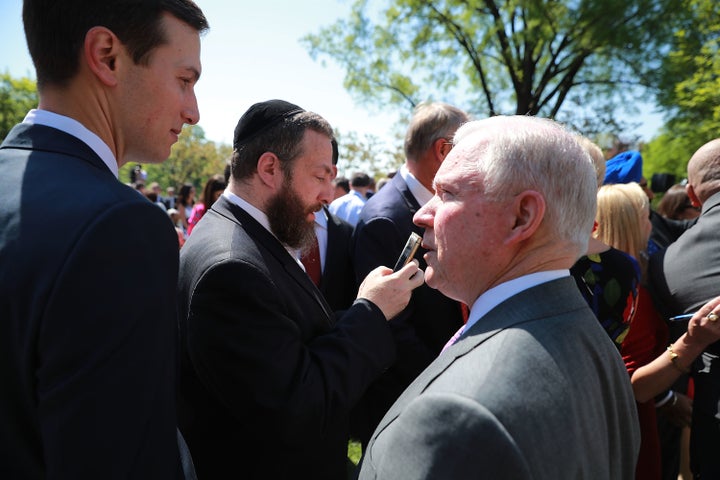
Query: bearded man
[269, 375]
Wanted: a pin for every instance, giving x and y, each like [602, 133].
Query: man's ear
[101, 51]
[529, 210]
[694, 200]
[269, 170]
[441, 147]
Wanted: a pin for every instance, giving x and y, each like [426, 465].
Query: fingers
[412, 272]
[390, 291]
[710, 311]
[704, 326]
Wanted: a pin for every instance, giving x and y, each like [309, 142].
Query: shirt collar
[418, 190]
[321, 218]
[499, 293]
[77, 130]
[258, 215]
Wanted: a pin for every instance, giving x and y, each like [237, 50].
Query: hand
[677, 412]
[703, 330]
[391, 291]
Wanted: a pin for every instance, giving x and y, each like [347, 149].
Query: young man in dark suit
[269, 374]
[88, 339]
[385, 223]
[532, 386]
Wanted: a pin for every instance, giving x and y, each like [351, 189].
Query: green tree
[667, 153]
[503, 56]
[690, 77]
[367, 154]
[17, 96]
[193, 159]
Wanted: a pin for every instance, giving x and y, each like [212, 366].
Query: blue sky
[252, 53]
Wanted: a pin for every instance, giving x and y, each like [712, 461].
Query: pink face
[157, 99]
[313, 173]
[464, 231]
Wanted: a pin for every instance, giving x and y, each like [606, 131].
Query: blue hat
[624, 167]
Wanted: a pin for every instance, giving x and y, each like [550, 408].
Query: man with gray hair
[531, 386]
[385, 224]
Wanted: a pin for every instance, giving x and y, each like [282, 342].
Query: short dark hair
[283, 138]
[228, 169]
[343, 183]
[360, 179]
[55, 30]
[336, 151]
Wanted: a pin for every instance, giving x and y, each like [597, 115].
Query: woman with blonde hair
[607, 277]
[623, 221]
[623, 218]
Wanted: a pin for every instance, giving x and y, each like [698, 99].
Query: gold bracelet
[674, 360]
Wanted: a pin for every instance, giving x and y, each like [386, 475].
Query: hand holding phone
[408, 252]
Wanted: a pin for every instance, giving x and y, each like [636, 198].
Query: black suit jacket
[430, 318]
[88, 269]
[268, 375]
[337, 283]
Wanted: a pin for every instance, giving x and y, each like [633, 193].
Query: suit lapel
[562, 295]
[410, 202]
[269, 242]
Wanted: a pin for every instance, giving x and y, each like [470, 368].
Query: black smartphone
[408, 252]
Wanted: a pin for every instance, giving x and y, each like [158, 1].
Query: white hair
[516, 153]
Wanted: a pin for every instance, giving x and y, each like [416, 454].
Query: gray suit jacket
[535, 389]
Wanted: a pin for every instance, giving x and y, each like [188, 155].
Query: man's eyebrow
[194, 71]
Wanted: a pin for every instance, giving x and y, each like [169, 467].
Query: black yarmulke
[261, 116]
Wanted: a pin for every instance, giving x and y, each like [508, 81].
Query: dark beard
[287, 217]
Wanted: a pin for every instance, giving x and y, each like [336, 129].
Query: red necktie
[311, 261]
[465, 312]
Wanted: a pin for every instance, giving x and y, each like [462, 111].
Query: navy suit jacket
[269, 376]
[88, 329]
[430, 319]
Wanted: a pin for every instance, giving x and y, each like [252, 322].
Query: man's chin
[430, 277]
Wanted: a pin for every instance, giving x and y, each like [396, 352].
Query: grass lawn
[354, 451]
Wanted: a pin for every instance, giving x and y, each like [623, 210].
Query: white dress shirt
[321, 232]
[77, 130]
[499, 293]
[418, 190]
[348, 206]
